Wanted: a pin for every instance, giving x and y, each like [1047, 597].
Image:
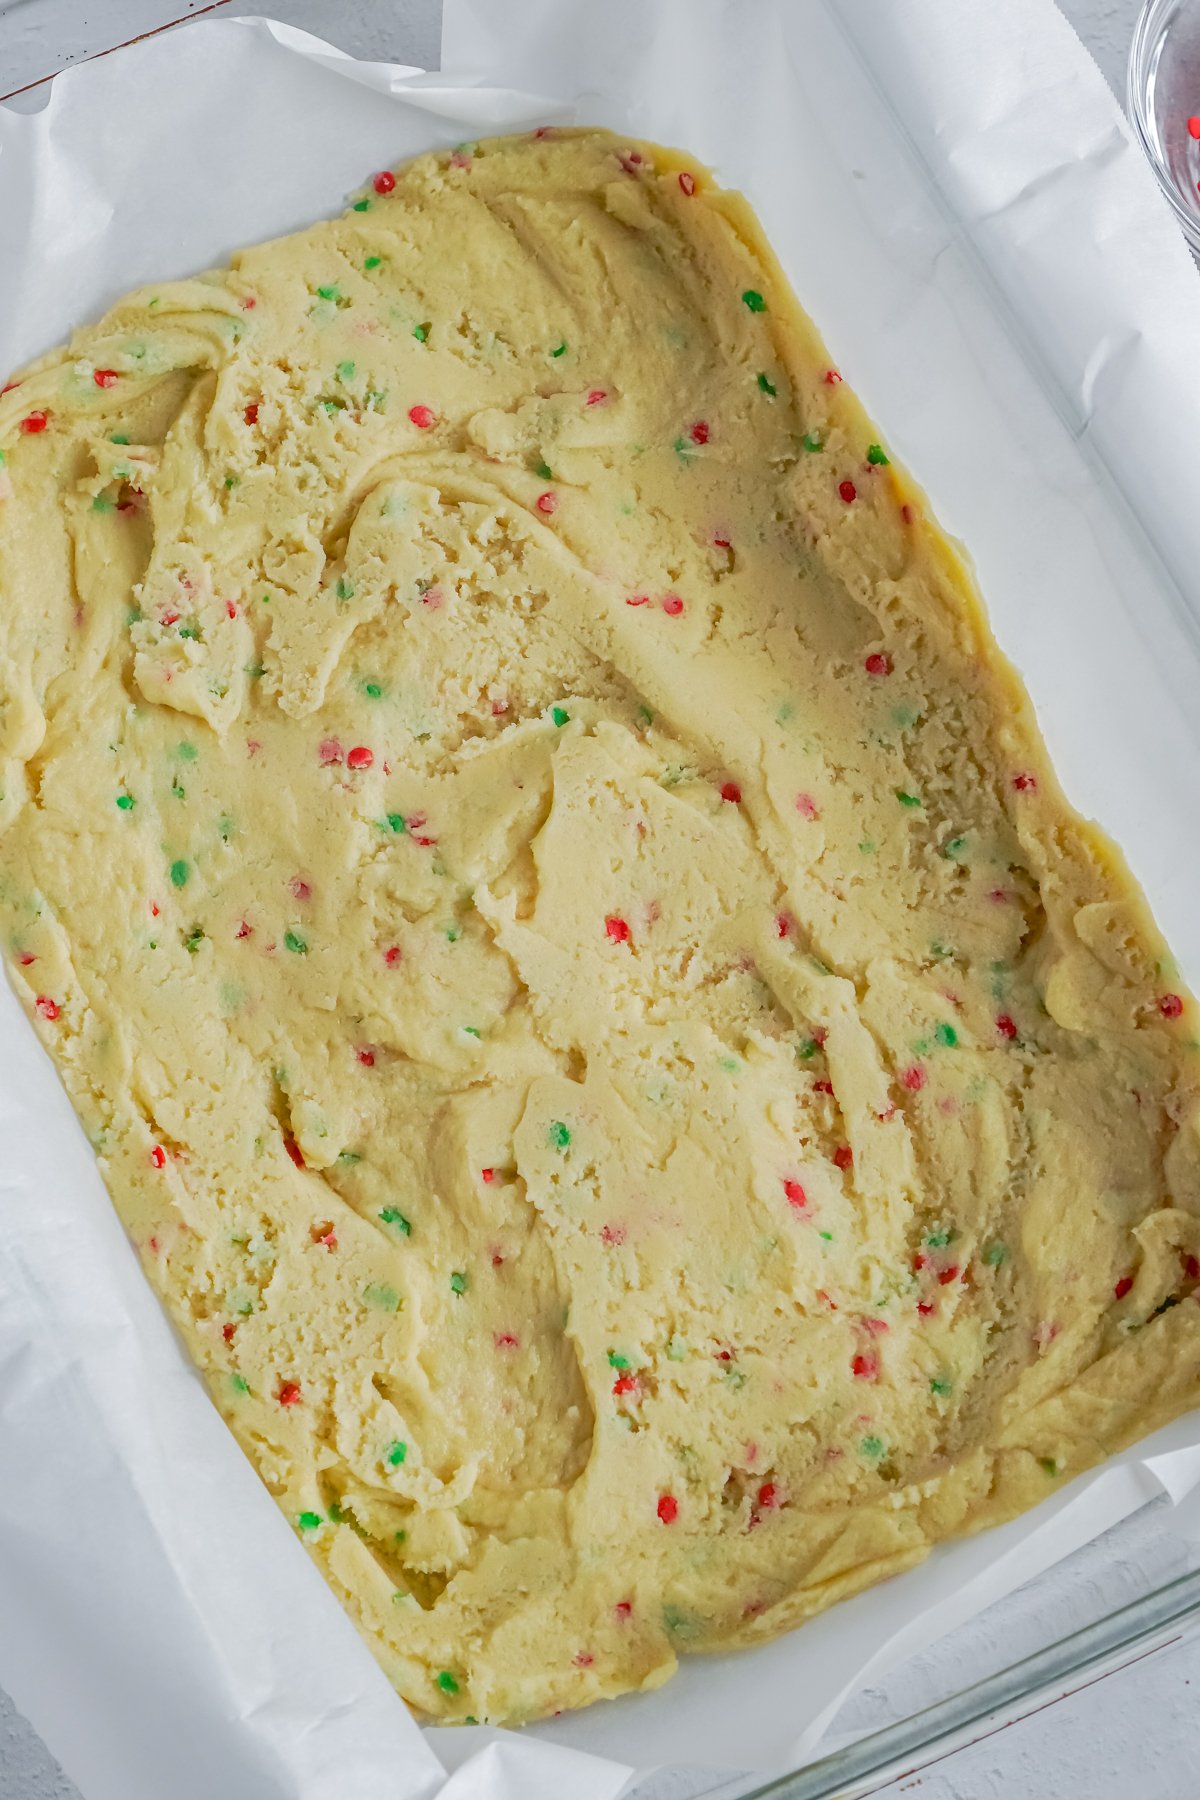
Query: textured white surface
[1138, 1732]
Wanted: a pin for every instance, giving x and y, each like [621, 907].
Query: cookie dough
[645, 1103]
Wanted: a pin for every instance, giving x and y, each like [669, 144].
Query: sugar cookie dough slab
[645, 1104]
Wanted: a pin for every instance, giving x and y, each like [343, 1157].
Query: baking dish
[1023, 1670]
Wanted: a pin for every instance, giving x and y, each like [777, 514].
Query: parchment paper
[961, 209]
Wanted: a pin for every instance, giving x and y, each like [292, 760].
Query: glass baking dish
[1130, 1595]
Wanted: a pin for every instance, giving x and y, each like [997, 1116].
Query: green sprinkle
[125, 802]
[807, 1049]
[561, 350]
[361, 205]
[232, 481]
[560, 1135]
[295, 943]
[392, 1216]
[617, 1361]
[186, 752]
[767, 385]
[730, 1064]
[336, 1512]
[396, 1454]
[875, 455]
[937, 1240]
[118, 437]
[644, 715]
[189, 631]
[372, 690]
[995, 1254]
[446, 1682]
[345, 588]
[332, 292]
[458, 1282]
[239, 1384]
[451, 933]
[373, 262]
[348, 1158]
[179, 873]
[827, 1235]
[346, 371]
[308, 1521]
[560, 715]
[544, 471]
[1048, 1463]
[471, 1030]
[193, 940]
[941, 1384]
[907, 799]
[421, 333]
[954, 847]
[381, 1296]
[872, 1447]
[946, 1036]
[396, 822]
[811, 441]
[102, 504]
[754, 300]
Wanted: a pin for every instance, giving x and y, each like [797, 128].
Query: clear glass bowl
[1162, 94]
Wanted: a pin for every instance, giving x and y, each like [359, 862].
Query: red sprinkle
[668, 1508]
[625, 1384]
[393, 956]
[908, 513]
[244, 930]
[300, 888]
[547, 502]
[1123, 1286]
[1194, 126]
[617, 928]
[832, 377]
[360, 757]
[946, 1276]
[878, 663]
[796, 1195]
[623, 1608]
[597, 397]
[843, 1156]
[330, 751]
[487, 1176]
[865, 1367]
[366, 1057]
[672, 605]
[783, 925]
[699, 432]
[504, 1340]
[612, 1234]
[26, 958]
[289, 1393]
[822, 1087]
[227, 1332]
[1025, 784]
[230, 610]
[913, 1078]
[806, 806]
[924, 1307]
[1191, 1267]
[35, 421]
[848, 491]
[46, 1006]
[687, 182]
[1006, 1026]
[104, 378]
[732, 792]
[422, 416]
[1170, 1006]
[638, 600]
[384, 182]
[768, 1495]
[294, 1151]
[158, 1157]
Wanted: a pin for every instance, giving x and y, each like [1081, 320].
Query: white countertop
[1136, 1733]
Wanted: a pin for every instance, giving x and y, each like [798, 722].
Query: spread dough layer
[644, 1102]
